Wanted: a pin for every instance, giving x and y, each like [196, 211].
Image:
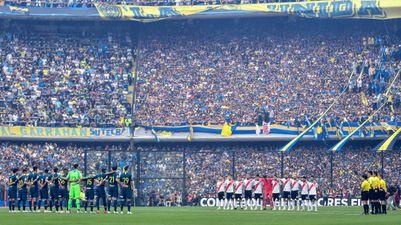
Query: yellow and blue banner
[388, 143]
[63, 132]
[355, 9]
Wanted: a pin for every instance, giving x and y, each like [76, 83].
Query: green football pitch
[206, 216]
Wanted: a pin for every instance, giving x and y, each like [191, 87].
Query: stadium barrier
[275, 131]
[211, 202]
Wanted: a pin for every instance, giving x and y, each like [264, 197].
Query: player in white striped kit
[238, 191]
[276, 193]
[229, 202]
[312, 193]
[220, 189]
[304, 192]
[294, 193]
[258, 192]
[287, 184]
[248, 187]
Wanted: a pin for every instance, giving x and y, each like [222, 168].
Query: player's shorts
[75, 192]
[312, 197]
[113, 192]
[286, 194]
[382, 195]
[248, 194]
[371, 194]
[23, 194]
[64, 193]
[230, 195]
[126, 193]
[304, 197]
[258, 196]
[276, 196]
[100, 193]
[54, 192]
[374, 194]
[365, 195]
[44, 193]
[294, 195]
[12, 193]
[34, 192]
[238, 196]
[90, 194]
[220, 195]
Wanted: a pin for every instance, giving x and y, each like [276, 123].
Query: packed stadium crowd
[91, 3]
[58, 79]
[241, 72]
[205, 164]
[84, 79]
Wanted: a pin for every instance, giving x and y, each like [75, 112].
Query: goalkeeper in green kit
[74, 178]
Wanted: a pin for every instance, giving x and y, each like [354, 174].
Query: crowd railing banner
[356, 9]
[64, 132]
[383, 128]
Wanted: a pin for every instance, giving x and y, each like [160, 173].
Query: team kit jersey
[113, 185]
[248, 188]
[229, 189]
[312, 190]
[304, 189]
[258, 189]
[286, 187]
[221, 189]
[276, 189]
[126, 189]
[238, 189]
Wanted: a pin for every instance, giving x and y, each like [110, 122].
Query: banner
[358, 9]
[212, 202]
[388, 143]
[63, 132]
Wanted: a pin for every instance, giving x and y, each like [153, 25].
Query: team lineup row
[56, 189]
[256, 192]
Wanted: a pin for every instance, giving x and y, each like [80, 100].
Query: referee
[365, 187]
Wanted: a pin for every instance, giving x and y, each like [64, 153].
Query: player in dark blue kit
[112, 179]
[127, 186]
[34, 188]
[12, 190]
[44, 190]
[54, 189]
[100, 180]
[89, 192]
[22, 190]
[64, 195]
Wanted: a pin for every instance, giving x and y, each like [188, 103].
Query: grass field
[206, 216]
